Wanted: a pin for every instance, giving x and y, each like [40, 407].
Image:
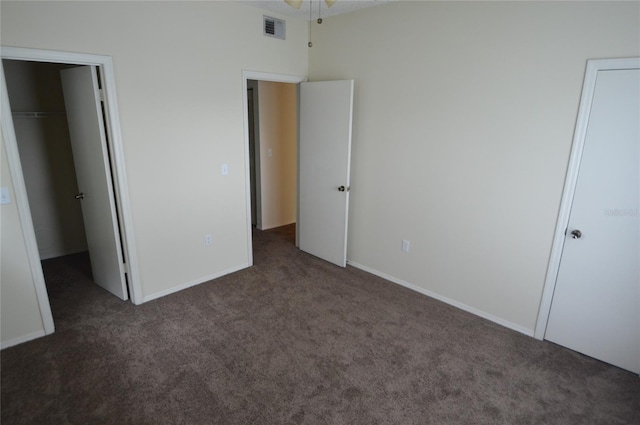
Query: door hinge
[101, 94]
[125, 267]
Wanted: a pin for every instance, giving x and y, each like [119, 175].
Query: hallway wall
[278, 117]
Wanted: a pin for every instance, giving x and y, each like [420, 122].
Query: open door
[596, 301]
[91, 159]
[326, 113]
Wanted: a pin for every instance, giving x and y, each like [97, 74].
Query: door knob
[342, 188]
[80, 195]
[576, 234]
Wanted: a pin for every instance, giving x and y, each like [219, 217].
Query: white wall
[46, 157]
[464, 114]
[179, 82]
[20, 314]
[278, 111]
[463, 121]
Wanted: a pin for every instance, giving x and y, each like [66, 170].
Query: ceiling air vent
[274, 27]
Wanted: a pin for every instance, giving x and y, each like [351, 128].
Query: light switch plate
[224, 169]
[5, 197]
[405, 245]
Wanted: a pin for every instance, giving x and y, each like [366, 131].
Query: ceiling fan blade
[329, 3]
[294, 3]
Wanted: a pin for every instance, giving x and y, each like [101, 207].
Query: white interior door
[326, 112]
[596, 303]
[91, 159]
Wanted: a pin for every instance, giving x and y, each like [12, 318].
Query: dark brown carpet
[294, 340]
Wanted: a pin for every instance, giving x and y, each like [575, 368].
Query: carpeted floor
[294, 340]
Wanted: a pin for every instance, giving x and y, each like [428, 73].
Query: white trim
[24, 212]
[259, 76]
[21, 339]
[117, 150]
[187, 285]
[584, 111]
[273, 77]
[37, 55]
[108, 75]
[54, 253]
[454, 303]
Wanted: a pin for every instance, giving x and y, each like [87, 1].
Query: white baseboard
[193, 283]
[47, 254]
[457, 304]
[275, 225]
[21, 339]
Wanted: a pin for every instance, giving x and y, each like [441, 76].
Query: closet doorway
[62, 140]
[43, 154]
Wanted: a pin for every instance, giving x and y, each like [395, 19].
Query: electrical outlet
[405, 245]
[208, 240]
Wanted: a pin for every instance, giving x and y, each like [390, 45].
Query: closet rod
[37, 114]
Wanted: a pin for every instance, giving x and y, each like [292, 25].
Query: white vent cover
[274, 27]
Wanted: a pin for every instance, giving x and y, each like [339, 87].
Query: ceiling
[340, 7]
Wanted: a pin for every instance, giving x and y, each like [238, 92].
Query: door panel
[90, 155]
[596, 304]
[326, 110]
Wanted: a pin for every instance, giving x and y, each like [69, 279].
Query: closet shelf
[38, 114]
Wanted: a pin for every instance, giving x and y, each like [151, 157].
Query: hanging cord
[310, 19]
[319, 12]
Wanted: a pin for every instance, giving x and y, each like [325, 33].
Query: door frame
[571, 179]
[122, 199]
[260, 76]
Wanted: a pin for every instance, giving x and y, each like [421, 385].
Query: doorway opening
[272, 118]
[99, 73]
[42, 134]
[323, 142]
[40, 123]
[49, 164]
